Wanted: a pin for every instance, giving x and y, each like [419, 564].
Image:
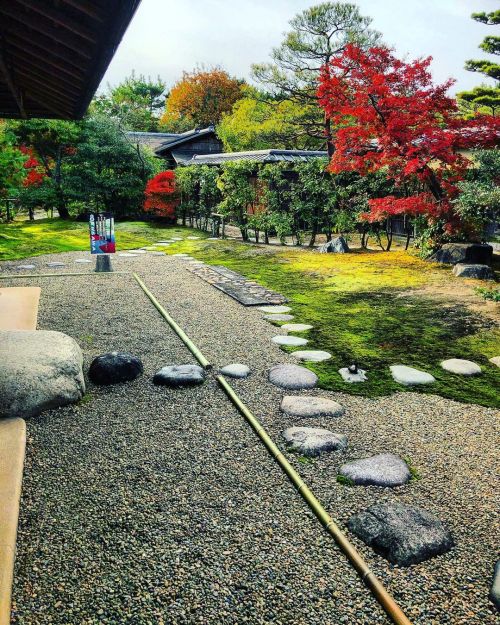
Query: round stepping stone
[296, 327]
[461, 367]
[495, 360]
[289, 340]
[278, 317]
[115, 367]
[213, 239]
[83, 260]
[311, 355]
[127, 255]
[236, 370]
[158, 253]
[409, 376]
[179, 375]
[275, 309]
[347, 376]
[292, 377]
[192, 238]
[163, 242]
[56, 264]
[313, 441]
[25, 267]
[150, 248]
[403, 534]
[381, 470]
[182, 255]
[306, 406]
[177, 239]
[139, 252]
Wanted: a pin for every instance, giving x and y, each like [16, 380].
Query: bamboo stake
[60, 275]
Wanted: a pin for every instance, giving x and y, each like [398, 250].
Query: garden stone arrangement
[115, 367]
[381, 470]
[310, 406]
[312, 442]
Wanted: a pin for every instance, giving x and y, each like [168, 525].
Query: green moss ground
[365, 307]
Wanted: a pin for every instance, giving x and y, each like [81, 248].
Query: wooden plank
[13, 87]
[58, 17]
[19, 307]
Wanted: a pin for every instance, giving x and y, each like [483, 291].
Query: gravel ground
[144, 505]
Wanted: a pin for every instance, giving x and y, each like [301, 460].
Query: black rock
[179, 375]
[495, 586]
[469, 253]
[478, 272]
[403, 534]
[335, 246]
[115, 367]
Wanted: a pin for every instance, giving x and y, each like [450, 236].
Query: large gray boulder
[476, 272]
[403, 534]
[335, 246]
[471, 253]
[381, 470]
[39, 370]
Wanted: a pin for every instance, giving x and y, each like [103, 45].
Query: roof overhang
[53, 54]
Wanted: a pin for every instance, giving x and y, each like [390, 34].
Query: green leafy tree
[12, 160]
[237, 186]
[136, 103]
[316, 36]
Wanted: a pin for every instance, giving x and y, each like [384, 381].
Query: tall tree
[12, 160]
[317, 35]
[135, 103]
[200, 98]
[485, 96]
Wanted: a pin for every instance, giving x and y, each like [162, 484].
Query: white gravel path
[152, 505]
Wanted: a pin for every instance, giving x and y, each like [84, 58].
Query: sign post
[102, 239]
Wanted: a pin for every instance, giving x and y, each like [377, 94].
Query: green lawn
[372, 308]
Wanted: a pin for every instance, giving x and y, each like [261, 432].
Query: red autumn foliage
[35, 174]
[161, 194]
[390, 115]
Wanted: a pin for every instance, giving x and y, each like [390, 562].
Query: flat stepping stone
[312, 355]
[495, 360]
[25, 267]
[274, 309]
[313, 441]
[293, 341]
[192, 238]
[127, 255]
[292, 377]
[278, 317]
[158, 254]
[236, 370]
[139, 252]
[177, 239]
[163, 242]
[182, 255]
[352, 378]
[56, 264]
[380, 470]
[296, 327]
[83, 260]
[115, 367]
[402, 534]
[409, 376]
[306, 406]
[179, 375]
[461, 367]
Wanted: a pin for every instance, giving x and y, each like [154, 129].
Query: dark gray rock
[313, 441]
[179, 375]
[292, 377]
[115, 367]
[403, 534]
[495, 586]
[477, 272]
[379, 470]
[335, 246]
[473, 253]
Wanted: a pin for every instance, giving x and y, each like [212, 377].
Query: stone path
[409, 376]
[291, 341]
[380, 470]
[461, 367]
[312, 355]
[313, 441]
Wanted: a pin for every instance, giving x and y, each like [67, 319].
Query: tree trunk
[266, 237]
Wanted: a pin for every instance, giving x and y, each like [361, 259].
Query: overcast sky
[169, 36]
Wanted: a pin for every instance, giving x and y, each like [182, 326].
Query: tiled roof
[151, 139]
[260, 156]
[176, 140]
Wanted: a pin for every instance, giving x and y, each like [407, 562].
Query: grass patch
[345, 481]
[415, 475]
[489, 294]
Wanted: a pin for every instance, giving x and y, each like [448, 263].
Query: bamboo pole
[60, 275]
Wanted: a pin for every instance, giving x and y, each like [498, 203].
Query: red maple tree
[35, 173]
[389, 115]
[161, 196]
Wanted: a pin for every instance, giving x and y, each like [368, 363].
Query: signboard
[102, 233]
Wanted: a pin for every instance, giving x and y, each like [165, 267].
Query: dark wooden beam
[38, 96]
[14, 90]
[86, 7]
[58, 17]
[57, 90]
[44, 63]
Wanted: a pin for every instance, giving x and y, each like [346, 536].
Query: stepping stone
[495, 586]
[115, 367]
[167, 242]
[409, 376]
[182, 255]
[150, 248]
[495, 360]
[158, 254]
[179, 375]
[306, 406]
[162, 244]
[192, 238]
[313, 441]
[56, 264]
[139, 252]
[83, 260]
[289, 340]
[126, 255]
[347, 376]
[274, 309]
[292, 377]
[402, 534]
[278, 317]
[213, 239]
[296, 327]
[311, 355]
[380, 470]
[236, 370]
[177, 239]
[25, 267]
[461, 367]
